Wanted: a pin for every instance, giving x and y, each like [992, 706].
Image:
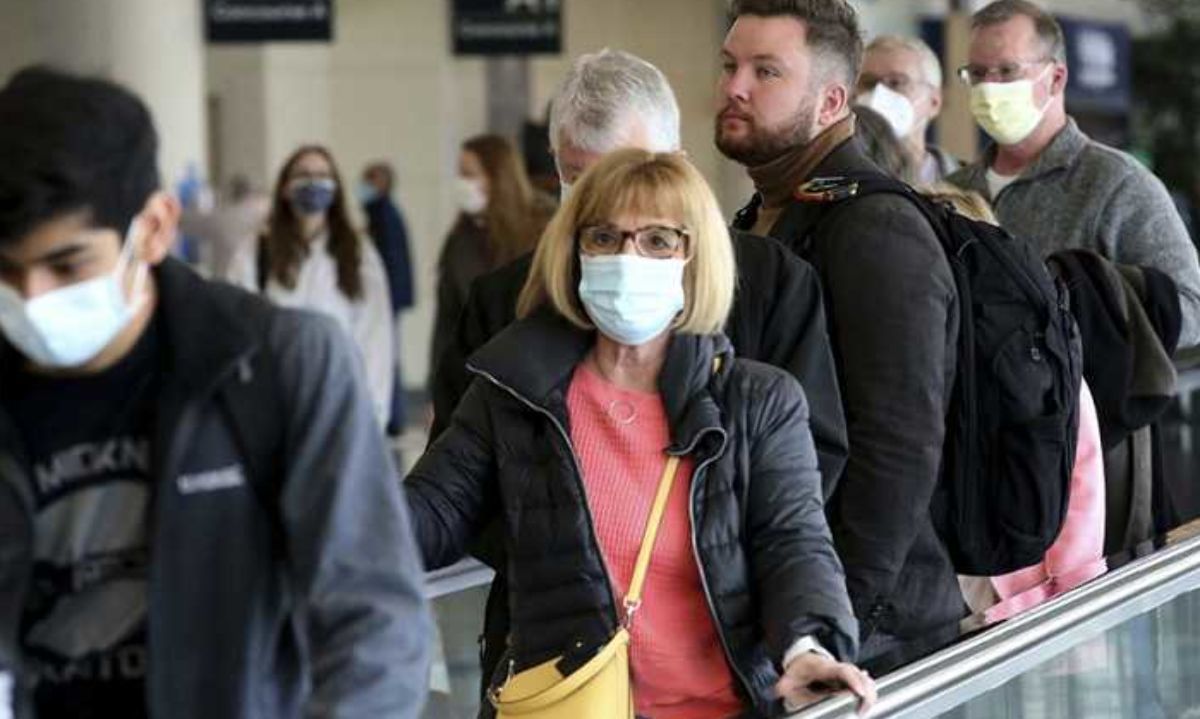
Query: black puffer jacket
[759, 532]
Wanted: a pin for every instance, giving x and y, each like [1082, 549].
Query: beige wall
[236, 77]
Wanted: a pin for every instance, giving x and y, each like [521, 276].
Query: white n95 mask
[68, 326]
[630, 298]
[897, 109]
[469, 196]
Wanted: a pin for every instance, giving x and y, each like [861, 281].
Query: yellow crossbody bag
[600, 689]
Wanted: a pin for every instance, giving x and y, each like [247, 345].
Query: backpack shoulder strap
[817, 201]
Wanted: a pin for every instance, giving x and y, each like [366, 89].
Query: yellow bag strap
[633, 599]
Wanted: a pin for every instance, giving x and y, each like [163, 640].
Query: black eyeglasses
[655, 241]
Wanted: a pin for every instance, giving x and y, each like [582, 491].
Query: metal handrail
[974, 666]
[466, 574]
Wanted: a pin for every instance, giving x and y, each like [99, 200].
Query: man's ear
[1058, 85]
[158, 223]
[835, 101]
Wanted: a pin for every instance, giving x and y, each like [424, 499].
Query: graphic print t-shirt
[87, 442]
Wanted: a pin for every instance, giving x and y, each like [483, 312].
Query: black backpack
[1013, 420]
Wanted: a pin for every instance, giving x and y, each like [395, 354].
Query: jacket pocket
[1031, 457]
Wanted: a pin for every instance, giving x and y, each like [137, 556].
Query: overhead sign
[1101, 60]
[268, 20]
[507, 27]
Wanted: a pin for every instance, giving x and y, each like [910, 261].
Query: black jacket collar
[204, 326]
[535, 358]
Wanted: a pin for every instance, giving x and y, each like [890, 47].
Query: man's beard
[761, 145]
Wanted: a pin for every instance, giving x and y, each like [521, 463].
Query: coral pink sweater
[678, 668]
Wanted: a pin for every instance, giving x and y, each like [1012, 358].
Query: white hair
[603, 94]
[931, 67]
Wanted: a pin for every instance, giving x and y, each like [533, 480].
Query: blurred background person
[310, 256]
[222, 232]
[539, 157]
[901, 79]
[500, 218]
[882, 145]
[387, 228]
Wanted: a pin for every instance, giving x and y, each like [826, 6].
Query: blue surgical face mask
[312, 197]
[366, 192]
[69, 326]
[630, 298]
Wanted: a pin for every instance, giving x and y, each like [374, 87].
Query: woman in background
[500, 219]
[310, 257]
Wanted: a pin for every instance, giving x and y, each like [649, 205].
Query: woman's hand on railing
[812, 677]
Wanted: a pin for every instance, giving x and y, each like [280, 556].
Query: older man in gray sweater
[1048, 181]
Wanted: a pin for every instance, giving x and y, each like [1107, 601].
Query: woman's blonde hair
[638, 182]
[967, 203]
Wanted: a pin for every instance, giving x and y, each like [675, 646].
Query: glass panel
[454, 683]
[1145, 668]
[1137, 669]
[1181, 467]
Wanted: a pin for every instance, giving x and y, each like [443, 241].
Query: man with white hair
[612, 100]
[901, 79]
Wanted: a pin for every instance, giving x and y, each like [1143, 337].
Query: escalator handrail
[1034, 636]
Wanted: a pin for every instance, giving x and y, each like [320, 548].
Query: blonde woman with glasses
[611, 418]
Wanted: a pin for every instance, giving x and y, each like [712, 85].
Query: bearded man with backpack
[199, 516]
[906, 514]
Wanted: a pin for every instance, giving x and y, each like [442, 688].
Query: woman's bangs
[645, 192]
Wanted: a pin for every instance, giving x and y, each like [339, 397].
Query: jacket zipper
[596, 542]
[578, 476]
[187, 418]
[712, 607]
[171, 459]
